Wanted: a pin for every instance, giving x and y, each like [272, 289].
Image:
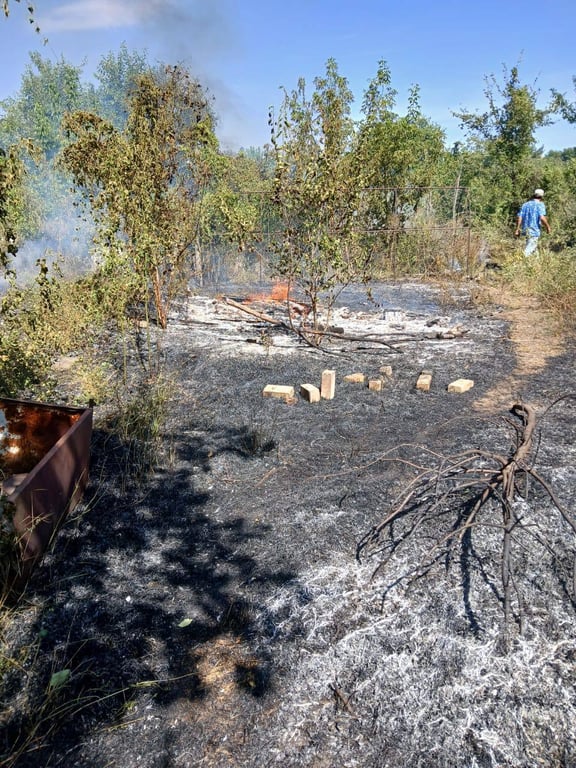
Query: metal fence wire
[401, 231]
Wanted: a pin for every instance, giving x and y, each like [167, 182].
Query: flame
[279, 292]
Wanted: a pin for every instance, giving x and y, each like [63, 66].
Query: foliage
[138, 420]
[142, 183]
[117, 76]
[49, 90]
[11, 204]
[550, 276]
[316, 194]
[396, 161]
[503, 137]
[566, 108]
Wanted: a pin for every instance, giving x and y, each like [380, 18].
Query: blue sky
[245, 50]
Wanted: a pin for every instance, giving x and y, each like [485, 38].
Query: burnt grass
[215, 613]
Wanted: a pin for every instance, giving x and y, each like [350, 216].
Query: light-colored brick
[280, 391]
[310, 393]
[386, 371]
[424, 381]
[355, 378]
[375, 385]
[328, 387]
[460, 385]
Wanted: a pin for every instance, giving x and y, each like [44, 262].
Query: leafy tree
[315, 191]
[233, 208]
[117, 75]
[396, 161]
[10, 190]
[17, 213]
[566, 108]
[504, 134]
[396, 157]
[143, 182]
[49, 90]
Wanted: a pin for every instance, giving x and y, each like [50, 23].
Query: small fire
[279, 292]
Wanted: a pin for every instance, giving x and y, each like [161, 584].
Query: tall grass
[549, 276]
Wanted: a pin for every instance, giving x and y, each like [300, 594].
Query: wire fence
[400, 231]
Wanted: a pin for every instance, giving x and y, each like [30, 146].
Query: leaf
[59, 679]
[185, 623]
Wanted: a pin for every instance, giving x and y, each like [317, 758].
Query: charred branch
[456, 499]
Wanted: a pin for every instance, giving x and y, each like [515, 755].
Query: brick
[328, 387]
[460, 385]
[279, 391]
[386, 371]
[375, 385]
[310, 393]
[424, 381]
[355, 378]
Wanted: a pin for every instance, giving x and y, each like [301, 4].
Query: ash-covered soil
[216, 614]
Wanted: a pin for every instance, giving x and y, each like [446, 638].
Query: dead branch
[462, 496]
[307, 334]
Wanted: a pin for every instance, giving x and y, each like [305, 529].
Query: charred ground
[216, 614]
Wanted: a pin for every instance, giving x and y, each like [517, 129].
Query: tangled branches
[472, 507]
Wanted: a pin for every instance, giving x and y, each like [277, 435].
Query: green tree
[117, 75]
[504, 134]
[49, 90]
[234, 207]
[143, 182]
[17, 210]
[315, 191]
[396, 161]
[562, 104]
[11, 171]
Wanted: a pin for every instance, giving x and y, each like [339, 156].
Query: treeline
[44, 131]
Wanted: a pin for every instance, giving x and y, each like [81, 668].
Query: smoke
[63, 243]
[202, 37]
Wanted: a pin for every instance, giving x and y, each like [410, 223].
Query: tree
[49, 90]
[566, 108]
[143, 182]
[315, 192]
[505, 136]
[396, 161]
[117, 75]
[233, 209]
[11, 172]
[17, 213]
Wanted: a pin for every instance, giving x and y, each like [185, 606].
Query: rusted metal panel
[44, 466]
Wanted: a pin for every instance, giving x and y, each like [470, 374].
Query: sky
[245, 51]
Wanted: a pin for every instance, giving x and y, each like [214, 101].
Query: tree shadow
[147, 572]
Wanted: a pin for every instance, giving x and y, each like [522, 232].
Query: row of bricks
[327, 389]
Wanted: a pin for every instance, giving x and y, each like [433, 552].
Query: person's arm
[518, 224]
[544, 221]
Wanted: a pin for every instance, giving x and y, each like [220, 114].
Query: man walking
[531, 217]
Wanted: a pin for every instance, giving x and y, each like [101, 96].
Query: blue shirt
[530, 214]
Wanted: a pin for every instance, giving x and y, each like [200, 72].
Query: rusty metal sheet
[44, 466]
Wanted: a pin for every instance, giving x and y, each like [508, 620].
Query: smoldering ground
[216, 613]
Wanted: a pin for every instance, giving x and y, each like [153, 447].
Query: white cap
[538, 192]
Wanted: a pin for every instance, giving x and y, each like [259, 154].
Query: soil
[215, 613]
